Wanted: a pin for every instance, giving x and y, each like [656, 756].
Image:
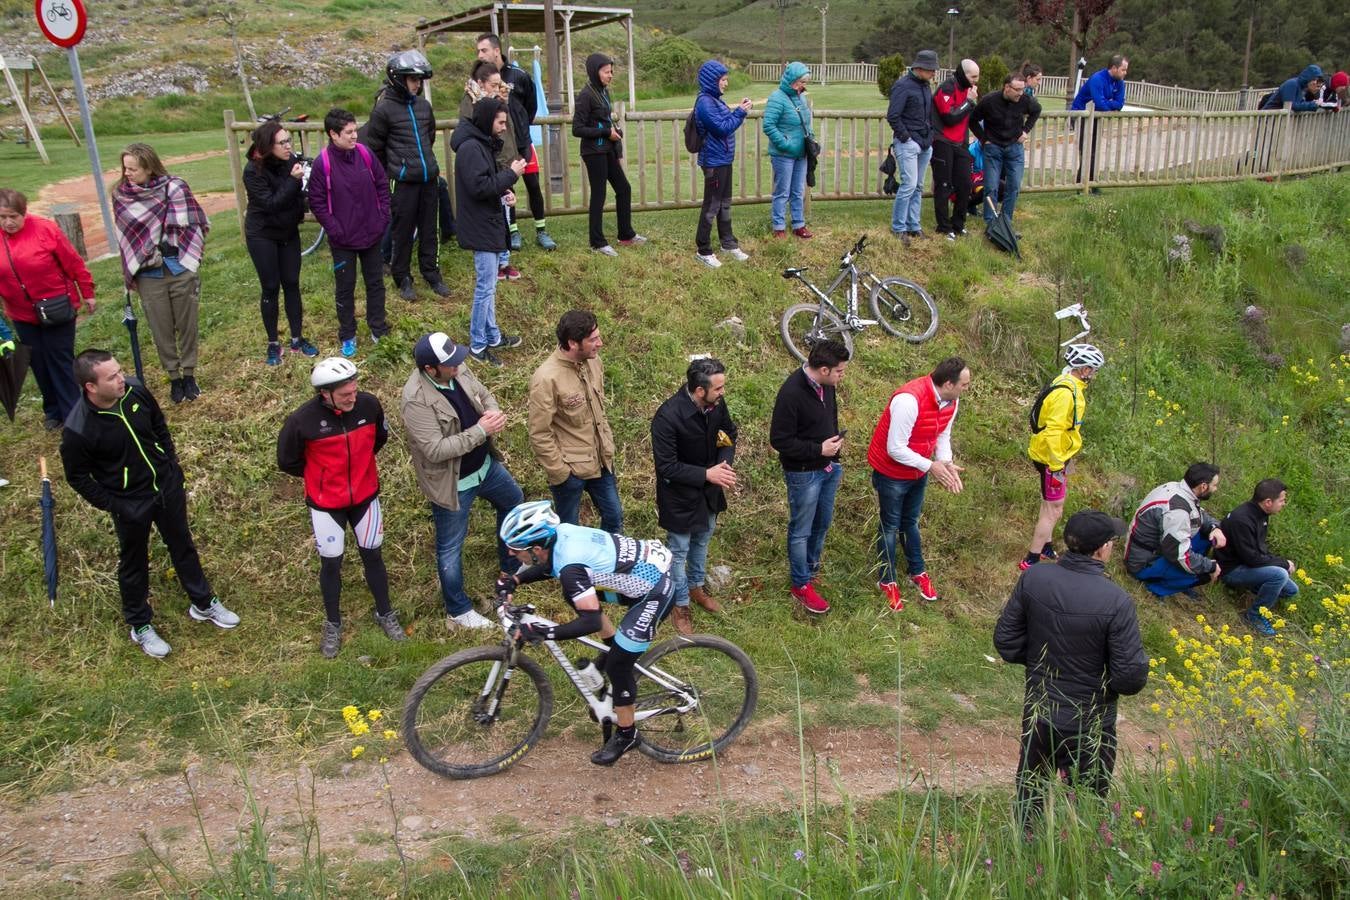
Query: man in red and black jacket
[953, 102]
[331, 442]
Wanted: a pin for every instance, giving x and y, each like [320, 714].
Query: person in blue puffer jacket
[787, 125]
[1301, 92]
[717, 124]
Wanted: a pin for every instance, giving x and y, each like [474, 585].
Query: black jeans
[170, 516]
[601, 168]
[951, 172]
[1084, 759]
[53, 365]
[414, 208]
[278, 265]
[716, 205]
[532, 188]
[344, 277]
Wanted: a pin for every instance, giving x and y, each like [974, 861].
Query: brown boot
[684, 623]
[700, 596]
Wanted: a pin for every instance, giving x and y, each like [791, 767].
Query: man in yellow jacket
[1056, 437]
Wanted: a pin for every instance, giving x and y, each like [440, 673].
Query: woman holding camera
[161, 232]
[274, 178]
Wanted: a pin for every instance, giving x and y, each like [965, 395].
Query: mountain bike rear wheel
[470, 716]
[720, 679]
[904, 309]
[807, 324]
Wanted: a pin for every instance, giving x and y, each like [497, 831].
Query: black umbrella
[13, 370]
[49, 567]
[129, 320]
[1000, 231]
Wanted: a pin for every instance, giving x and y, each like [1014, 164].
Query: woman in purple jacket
[349, 195]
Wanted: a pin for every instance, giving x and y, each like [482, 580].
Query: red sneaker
[780, 233]
[508, 273]
[925, 586]
[804, 233]
[891, 591]
[808, 598]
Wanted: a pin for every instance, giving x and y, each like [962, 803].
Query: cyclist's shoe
[780, 232]
[406, 289]
[634, 241]
[150, 641]
[700, 596]
[273, 353]
[216, 614]
[684, 623]
[590, 676]
[330, 639]
[303, 345]
[812, 601]
[606, 250]
[515, 241]
[709, 259]
[470, 619]
[925, 586]
[891, 591]
[1259, 623]
[508, 342]
[392, 629]
[349, 347]
[542, 238]
[737, 254]
[804, 233]
[617, 745]
[1048, 551]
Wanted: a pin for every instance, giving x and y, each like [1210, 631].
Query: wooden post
[1087, 151]
[56, 98]
[23, 111]
[236, 170]
[67, 218]
[632, 66]
[1286, 121]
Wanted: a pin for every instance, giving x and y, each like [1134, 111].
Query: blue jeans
[452, 527]
[689, 561]
[810, 510]
[900, 502]
[1269, 582]
[1163, 577]
[483, 331]
[604, 493]
[910, 164]
[789, 186]
[998, 161]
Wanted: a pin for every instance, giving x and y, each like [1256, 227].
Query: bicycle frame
[847, 270]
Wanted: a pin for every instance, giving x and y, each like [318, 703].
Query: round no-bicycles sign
[62, 21]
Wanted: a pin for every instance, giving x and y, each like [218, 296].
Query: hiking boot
[515, 241]
[891, 591]
[684, 623]
[804, 233]
[176, 390]
[508, 342]
[349, 347]
[607, 250]
[303, 345]
[617, 745]
[470, 619]
[406, 289]
[634, 241]
[541, 237]
[700, 596]
[150, 641]
[737, 254]
[330, 640]
[709, 260]
[439, 288]
[925, 586]
[274, 353]
[1259, 623]
[485, 356]
[216, 614]
[190, 389]
[813, 602]
[508, 273]
[392, 629]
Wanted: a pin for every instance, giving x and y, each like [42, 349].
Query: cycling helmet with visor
[1078, 355]
[530, 524]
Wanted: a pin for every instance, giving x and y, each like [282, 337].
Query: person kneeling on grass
[1171, 535]
[1248, 563]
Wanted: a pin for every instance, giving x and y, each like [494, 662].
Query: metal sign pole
[102, 190]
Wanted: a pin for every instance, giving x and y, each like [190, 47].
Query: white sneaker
[470, 619]
[4, 482]
[709, 260]
[216, 614]
[607, 250]
[737, 254]
[150, 641]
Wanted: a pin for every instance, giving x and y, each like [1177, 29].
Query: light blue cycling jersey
[587, 558]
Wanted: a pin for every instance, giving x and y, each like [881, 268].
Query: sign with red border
[62, 21]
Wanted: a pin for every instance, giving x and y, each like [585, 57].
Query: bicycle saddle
[793, 273]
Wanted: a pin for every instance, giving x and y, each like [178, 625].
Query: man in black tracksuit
[402, 134]
[1075, 631]
[119, 456]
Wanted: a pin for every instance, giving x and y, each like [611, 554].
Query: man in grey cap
[1075, 631]
[910, 114]
[450, 418]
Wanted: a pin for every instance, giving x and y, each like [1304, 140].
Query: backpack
[693, 138]
[1036, 426]
[363, 151]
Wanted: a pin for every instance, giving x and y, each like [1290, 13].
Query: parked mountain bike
[478, 712]
[902, 308]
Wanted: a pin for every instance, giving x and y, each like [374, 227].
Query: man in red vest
[912, 440]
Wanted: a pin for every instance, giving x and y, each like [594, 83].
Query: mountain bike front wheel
[904, 309]
[807, 324]
[471, 715]
[310, 243]
[694, 696]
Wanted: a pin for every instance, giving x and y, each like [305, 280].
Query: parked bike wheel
[807, 324]
[311, 238]
[713, 670]
[904, 309]
[467, 716]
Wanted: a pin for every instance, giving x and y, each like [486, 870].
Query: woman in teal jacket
[787, 125]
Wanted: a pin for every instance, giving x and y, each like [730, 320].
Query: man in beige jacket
[568, 429]
[450, 418]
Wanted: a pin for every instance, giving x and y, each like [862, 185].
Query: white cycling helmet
[530, 524]
[332, 372]
[1077, 355]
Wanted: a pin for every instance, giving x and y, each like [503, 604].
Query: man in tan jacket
[450, 418]
[568, 429]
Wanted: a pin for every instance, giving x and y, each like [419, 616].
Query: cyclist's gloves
[587, 622]
[528, 632]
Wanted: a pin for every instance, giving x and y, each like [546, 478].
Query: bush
[889, 68]
[992, 72]
[672, 63]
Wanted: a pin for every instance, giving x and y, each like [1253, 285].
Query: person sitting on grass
[1247, 561]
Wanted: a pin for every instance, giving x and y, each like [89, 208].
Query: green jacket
[787, 118]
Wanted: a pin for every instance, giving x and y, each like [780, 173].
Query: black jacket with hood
[402, 135]
[1245, 529]
[480, 181]
[276, 205]
[593, 115]
[523, 103]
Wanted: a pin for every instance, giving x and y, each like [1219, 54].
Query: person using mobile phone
[717, 125]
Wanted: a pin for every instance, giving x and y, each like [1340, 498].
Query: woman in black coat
[593, 122]
[273, 179]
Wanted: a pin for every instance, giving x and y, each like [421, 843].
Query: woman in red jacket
[40, 268]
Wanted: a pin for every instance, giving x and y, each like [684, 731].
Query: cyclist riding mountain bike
[590, 563]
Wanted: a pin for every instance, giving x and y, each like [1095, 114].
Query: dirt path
[85, 836]
[78, 195]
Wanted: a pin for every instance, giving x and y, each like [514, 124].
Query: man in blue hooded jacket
[1302, 91]
[1106, 90]
[717, 124]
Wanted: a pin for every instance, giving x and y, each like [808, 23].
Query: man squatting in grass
[1171, 535]
[1248, 564]
[118, 454]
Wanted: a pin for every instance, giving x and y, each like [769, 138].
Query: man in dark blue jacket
[911, 118]
[717, 124]
[1106, 90]
[1302, 92]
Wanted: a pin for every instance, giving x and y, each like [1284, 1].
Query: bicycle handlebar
[847, 259]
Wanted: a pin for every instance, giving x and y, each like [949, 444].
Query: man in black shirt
[1002, 121]
[1245, 560]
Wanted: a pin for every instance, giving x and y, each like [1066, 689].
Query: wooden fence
[1132, 148]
